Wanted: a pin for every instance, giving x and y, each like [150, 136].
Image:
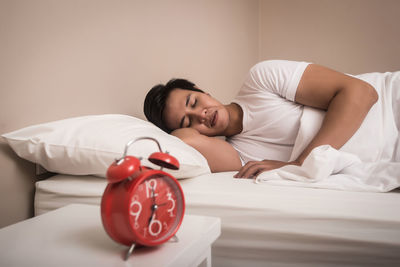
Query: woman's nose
[199, 114]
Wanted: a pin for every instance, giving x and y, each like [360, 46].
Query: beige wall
[353, 36]
[75, 57]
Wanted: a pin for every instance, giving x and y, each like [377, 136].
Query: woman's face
[197, 110]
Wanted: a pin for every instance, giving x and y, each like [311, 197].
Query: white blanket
[329, 168]
[369, 161]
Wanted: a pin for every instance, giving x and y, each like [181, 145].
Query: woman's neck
[235, 120]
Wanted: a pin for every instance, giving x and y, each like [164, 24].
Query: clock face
[156, 209]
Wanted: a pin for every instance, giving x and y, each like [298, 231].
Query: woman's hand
[254, 168]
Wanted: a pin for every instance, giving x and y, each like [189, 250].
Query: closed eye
[194, 104]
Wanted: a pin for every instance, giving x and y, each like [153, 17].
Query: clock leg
[129, 252]
[174, 239]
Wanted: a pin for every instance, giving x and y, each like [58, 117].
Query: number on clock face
[155, 207]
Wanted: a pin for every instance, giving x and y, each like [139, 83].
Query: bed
[270, 225]
[262, 223]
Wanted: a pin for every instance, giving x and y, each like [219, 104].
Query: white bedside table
[74, 236]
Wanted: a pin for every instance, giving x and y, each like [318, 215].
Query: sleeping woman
[262, 122]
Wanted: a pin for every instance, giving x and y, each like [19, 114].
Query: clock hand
[153, 206]
[153, 195]
[153, 209]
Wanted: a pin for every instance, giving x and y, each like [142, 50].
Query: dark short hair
[156, 98]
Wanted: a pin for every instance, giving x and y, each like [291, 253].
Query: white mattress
[270, 225]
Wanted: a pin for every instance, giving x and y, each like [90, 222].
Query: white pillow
[88, 145]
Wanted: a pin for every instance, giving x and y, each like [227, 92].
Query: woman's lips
[214, 119]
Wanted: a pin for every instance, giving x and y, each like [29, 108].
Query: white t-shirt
[271, 118]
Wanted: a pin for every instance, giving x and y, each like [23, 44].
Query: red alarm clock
[141, 205]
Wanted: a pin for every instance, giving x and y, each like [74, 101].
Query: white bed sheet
[270, 225]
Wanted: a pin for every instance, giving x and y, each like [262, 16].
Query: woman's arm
[347, 101]
[220, 155]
